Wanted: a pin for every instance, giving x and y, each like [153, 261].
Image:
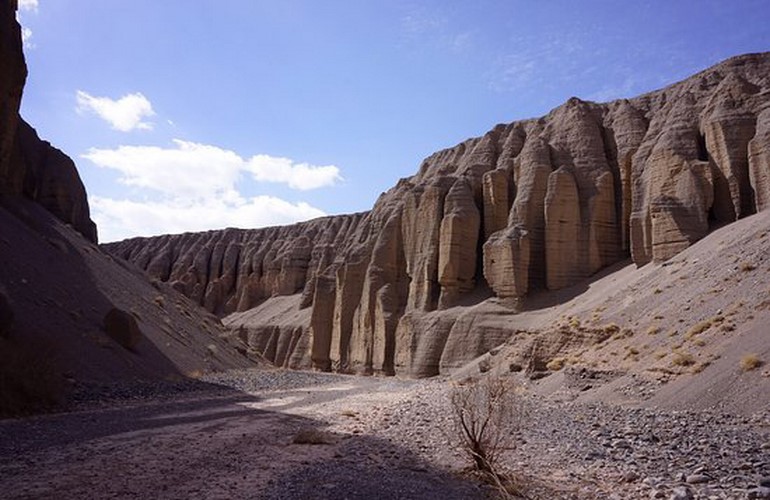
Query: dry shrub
[683, 359]
[30, 381]
[556, 364]
[487, 414]
[750, 362]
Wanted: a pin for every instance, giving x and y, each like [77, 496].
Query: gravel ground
[231, 436]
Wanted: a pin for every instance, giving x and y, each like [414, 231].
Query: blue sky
[202, 114]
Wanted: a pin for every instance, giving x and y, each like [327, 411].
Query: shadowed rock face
[29, 166]
[535, 204]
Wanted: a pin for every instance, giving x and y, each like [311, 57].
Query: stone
[458, 244]
[697, 478]
[562, 231]
[681, 493]
[122, 327]
[759, 161]
[539, 204]
[6, 315]
[759, 492]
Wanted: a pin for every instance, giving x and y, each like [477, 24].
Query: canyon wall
[539, 204]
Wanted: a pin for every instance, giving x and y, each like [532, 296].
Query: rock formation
[539, 204]
[70, 313]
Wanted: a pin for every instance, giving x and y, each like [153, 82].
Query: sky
[189, 115]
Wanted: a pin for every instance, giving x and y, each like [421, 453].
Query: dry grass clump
[683, 359]
[556, 364]
[653, 330]
[632, 353]
[702, 326]
[701, 366]
[750, 362]
[746, 266]
[312, 436]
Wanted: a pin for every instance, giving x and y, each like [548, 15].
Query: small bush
[698, 328]
[683, 359]
[747, 266]
[750, 362]
[556, 364]
[487, 415]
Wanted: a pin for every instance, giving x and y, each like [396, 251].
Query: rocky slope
[70, 315]
[533, 205]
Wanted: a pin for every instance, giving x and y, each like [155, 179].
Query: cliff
[71, 316]
[539, 204]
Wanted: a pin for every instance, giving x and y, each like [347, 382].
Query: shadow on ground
[206, 443]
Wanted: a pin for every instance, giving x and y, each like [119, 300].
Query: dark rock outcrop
[122, 327]
[56, 286]
[532, 205]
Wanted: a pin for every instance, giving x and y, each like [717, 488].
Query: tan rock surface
[532, 205]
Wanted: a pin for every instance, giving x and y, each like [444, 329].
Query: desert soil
[232, 437]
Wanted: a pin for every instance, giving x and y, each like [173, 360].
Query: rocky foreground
[234, 437]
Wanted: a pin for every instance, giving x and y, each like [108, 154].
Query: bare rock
[13, 73]
[458, 242]
[562, 230]
[759, 161]
[6, 315]
[531, 205]
[122, 327]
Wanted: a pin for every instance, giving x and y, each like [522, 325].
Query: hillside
[435, 274]
[71, 316]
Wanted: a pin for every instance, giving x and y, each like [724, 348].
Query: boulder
[122, 327]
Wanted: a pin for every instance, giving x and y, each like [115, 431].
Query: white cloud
[193, 170]
[29, 5]
[189, 170]
[300, 176]
[26, 32]
[194, 187]
[124, 114]
[26, 38]
[120, 219]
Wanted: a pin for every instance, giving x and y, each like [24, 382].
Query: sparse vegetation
[701, 366]
[556, 364]
[683, 359]
[698, 328]
[750, 362]
[487, 414]
[653, 330]
[746, 266]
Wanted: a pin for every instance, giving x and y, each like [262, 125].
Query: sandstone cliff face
[532, 205]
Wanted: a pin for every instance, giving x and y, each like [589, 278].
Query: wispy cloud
[423, 27]
[124, 114]
[28, 5]
[26, 32]
[536, 61]
[193, 187]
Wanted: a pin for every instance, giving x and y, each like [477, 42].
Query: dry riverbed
[233, 435]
